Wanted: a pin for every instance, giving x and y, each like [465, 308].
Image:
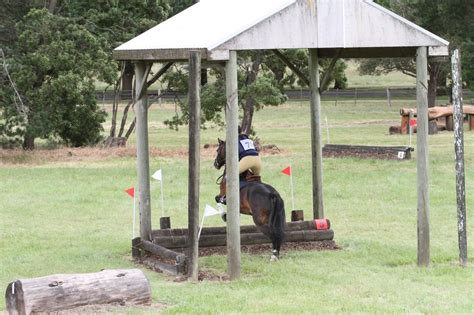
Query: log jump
[434, 113]
[170, 244]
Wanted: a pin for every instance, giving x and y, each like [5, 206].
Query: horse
[260, 200]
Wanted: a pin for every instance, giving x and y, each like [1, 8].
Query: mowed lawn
[66, 211]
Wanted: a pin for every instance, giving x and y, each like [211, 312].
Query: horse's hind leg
[265, 229]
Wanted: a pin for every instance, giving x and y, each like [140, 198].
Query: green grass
[71, 217]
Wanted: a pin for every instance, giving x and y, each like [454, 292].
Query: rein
[220, 178]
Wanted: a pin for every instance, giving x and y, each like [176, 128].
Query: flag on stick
[131, 192]
[287, 171]
[208, 212]
[158, 176]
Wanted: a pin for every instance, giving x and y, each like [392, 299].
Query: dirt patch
[72, 155]
[265, 249]
[257, 249]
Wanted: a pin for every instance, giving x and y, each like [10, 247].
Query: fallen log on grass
[66, 291]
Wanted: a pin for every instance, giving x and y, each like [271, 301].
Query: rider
[248, 158]
[248, 155]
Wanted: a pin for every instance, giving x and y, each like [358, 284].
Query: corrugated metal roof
[360, 27]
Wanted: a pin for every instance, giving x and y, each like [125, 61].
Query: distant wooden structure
[436, 112]
[218, 29]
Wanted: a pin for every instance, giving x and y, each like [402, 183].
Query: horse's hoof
[224, 217]
[273, 258]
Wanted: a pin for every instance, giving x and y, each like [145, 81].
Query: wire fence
[354, 94]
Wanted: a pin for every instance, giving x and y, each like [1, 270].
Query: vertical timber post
[423, 211]
[193, 179]
[232, 168]
[143, 163]
[459, 152]
[316, 150]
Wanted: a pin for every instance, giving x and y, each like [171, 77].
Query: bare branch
[21, 108]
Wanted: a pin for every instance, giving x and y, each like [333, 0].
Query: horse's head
[220, 154]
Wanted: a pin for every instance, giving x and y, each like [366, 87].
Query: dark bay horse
[259, 200]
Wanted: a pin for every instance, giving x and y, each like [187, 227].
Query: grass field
[65, 211]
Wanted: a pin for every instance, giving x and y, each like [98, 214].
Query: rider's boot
[221, 199]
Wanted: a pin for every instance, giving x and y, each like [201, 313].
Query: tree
[447, 18]
[116, 22]
[55, 83]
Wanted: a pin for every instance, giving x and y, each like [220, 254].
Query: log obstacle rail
[66, 291]
[169, 245]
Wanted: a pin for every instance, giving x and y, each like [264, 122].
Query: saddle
[248, 177]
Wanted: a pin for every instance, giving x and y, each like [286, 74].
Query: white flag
[157, 175]
[210, 211]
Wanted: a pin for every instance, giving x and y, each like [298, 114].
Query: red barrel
[322, 224]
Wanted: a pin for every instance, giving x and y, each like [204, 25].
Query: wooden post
[459, 150]
[423, 225]
[194, 144]
[389, 98]
[316, 150]
[232, 168]
[142, 70]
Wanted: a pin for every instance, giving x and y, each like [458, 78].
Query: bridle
[220, 158]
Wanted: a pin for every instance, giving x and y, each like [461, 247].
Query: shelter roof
[349, 28]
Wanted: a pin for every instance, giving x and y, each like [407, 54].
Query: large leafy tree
[53, 82]
[450, 19]
[115, 22]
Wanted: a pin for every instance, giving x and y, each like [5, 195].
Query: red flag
[287, 171]
[130, 191]
[413, 122]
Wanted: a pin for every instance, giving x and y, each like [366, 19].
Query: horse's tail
[277, 220]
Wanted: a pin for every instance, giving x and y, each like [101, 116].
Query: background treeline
[53, 52]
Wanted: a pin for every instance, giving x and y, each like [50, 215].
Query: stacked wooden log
[303, 231]
[169, 245]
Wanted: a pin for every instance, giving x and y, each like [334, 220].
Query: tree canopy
[55, 84]
[450, 19]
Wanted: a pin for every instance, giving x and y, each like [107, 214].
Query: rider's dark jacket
[246, 147]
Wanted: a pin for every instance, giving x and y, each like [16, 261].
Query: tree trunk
[127, 79]
[433, 69]
[29, 142]
[203, 77]
[62, 291]
[52, 6]
[249, 107]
